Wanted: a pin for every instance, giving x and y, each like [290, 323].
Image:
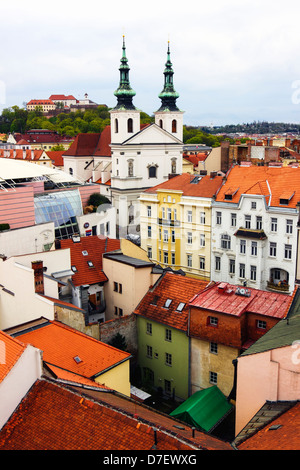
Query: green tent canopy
[204, 409]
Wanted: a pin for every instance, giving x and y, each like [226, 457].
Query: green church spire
[168, 95]
[124, 93]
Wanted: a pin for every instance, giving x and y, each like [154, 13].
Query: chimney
[38, 269]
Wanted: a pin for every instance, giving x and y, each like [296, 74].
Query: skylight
[90, 263]
[168, 303]
[85, 253]
[74, 269]
[180, 307]
[77, 359]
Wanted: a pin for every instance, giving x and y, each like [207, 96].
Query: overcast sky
[234, 61]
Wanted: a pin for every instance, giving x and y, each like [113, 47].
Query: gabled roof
[152, 134]
[10, 351]
[51, 417]
[73, 351]
[167, 302]
[190, 185]
[89, 249]
[84, 145]
[62, 97]
[281, 433]
[235, 300]
[270, 182]
[56, 157]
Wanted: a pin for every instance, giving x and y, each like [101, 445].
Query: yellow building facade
[176, 224]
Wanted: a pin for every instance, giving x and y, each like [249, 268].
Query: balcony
[281, 286]
[279, 280]
[168, 222]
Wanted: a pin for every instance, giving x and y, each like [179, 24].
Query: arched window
[174, 126]
[71, 171]
[161, 123]
[173, 166]
[116, 126]
[130, 125]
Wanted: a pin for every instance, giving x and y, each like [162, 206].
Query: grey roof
[137, 263]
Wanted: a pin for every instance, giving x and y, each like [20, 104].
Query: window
[213, 378]
[130, 168]
[225, 242]
[202, 217]
[202, 263]
[190, 238]
[116, 126]
[166, 235]
[149, 231]
[149, 251]
[120, 312]
[243, 247]
[258, 223]
[217, 263]
[289, 226]
[231, 266]
[174, 126]
[247, 221]
[213, 348]
[202, 240]
[168, 334]
[233, 220]
[213, 321]
[163, 213]
[168, 303]
[149, 328]
[149, 211]
[169, 214]
[130, 125]
[71, 171]
[253, 273]
[173, 166]
[168, 358]
[166, 257]
[261, 324]
[175, 214]
[189, 261]
[273, 249]
[219, 218]
[242, 270]
[172, 258]
[149, 352]
[115, 286]
[254, 248]
[189, 216]
[253, 205]
[152, 171]
[180, 307]
[273, 224]
[168, 389]
[173, 236]
[288, 251]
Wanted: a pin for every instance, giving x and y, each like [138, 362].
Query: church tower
[125, 118]
[168, 116]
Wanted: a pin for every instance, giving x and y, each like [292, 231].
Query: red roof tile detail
[61, 344]
[180, 289]
[222, 298]
[267, 181]
[283, 437]
[11, 350]
[206, 187]
[103, 148]
[56, 157]
[53, 418]
[94, 246]
[84, 145]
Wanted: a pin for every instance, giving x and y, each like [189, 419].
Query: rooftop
[235, 300]
[86, 257]
[167, 302]
[10, 351]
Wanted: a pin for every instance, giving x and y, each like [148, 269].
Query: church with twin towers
[142, 156]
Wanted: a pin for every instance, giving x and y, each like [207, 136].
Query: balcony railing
[281, 286]
[168, 222]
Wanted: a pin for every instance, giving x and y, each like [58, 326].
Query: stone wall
[126, 326]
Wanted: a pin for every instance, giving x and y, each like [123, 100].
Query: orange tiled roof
[94, 246]
[258, 180]
[206, 187]
[18, 154]
[70, 377]
[61, 344]
[11, 350]
[41, 102]
[56, 157]
[180, 289]
[283, 437]
[51, 417]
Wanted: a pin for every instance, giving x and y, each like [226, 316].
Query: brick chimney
[38, 269]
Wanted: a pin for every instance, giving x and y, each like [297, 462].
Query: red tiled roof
[222, 297]
[51, 417]
[62, 97]
[258, 179]
[40, 102]
[56, 157]
[103, 147]
[11, 350]
[285, 435]
[206, 187]
[95, 247]
[70, 377]
[84, 145]
[18, 154]
[180, 289]
[61, 344]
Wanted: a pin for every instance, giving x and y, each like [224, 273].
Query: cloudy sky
[234, 61]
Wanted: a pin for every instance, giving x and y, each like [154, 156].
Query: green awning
[204, 409]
